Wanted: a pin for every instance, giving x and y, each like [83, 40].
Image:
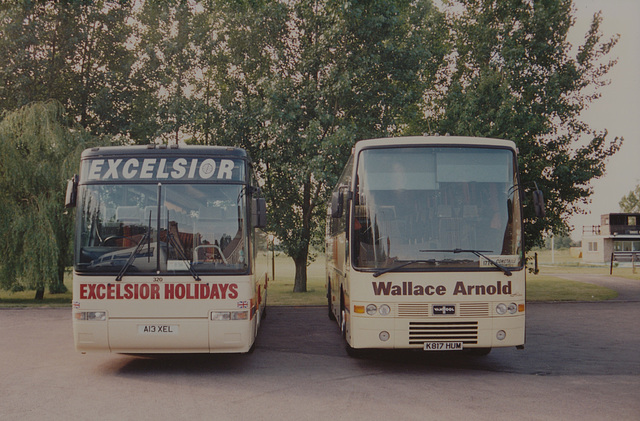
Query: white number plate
[443, 346]
[158, 329]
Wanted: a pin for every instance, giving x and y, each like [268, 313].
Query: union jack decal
[243, 304]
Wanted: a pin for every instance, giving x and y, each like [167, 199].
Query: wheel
[332, 316]
[342, 317]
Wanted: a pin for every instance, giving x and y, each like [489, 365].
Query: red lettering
[223, 290]
[190, 295]
[118, 292]
[155, 291]
[233, 291]
[92, 292]
[205, 289]
[168, 291]
[99, 291]
[215, 293]
[180, 291]
[83, 291]
[128, 293]
[144, 291]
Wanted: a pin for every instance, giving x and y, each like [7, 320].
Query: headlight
[512, 308]
[501, 308]
[98, 316]
[229, 315]
[384, 310]
[371, 309]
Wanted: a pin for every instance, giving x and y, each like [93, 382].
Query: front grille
[420, 332]
[421, 310]
[474, 309]
[413, 310]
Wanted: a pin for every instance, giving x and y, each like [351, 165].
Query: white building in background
[617, 232]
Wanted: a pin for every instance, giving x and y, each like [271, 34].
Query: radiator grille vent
[474, 309]
[413, 310]
[420, 332]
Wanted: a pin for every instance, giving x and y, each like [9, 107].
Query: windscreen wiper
[132, 257]
[402, 264]
[178, 248]
[478, 253]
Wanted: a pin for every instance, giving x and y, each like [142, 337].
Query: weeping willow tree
[37, 152]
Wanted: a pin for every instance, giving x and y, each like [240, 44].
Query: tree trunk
[300, 284]
[58, 287]
[39, 293]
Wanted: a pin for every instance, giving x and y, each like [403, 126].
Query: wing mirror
[72, 192]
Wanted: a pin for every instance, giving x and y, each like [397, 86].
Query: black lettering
[459, 289]
[479, 289]
[506, 289]
[383, 288]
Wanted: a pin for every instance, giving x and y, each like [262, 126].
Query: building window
[626, 246]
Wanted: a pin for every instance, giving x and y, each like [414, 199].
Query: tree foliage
[513, 75]
[297, 83]
[301, 81]
[631, 202]
[79, 53]
[37, 154]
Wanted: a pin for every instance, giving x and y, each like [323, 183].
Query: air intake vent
[413, 310]
[420, 332]
[474, 309]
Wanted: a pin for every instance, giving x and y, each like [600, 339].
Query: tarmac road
[581, 362]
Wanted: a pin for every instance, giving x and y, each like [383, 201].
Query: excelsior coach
[167, 254]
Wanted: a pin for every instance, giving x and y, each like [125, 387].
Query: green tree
[38, 153]
[301, 81]
[167, 58]
[631, 202]
[512, 74]
[81, 54]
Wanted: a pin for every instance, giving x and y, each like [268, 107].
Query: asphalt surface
[581, 362]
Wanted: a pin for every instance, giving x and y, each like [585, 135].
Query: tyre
[332, 316]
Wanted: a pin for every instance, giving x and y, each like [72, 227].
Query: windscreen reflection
[431, 207]
[162, 228]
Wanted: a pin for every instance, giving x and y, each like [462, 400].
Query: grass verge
[541, 287]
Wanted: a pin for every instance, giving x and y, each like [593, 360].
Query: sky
[618, 110]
